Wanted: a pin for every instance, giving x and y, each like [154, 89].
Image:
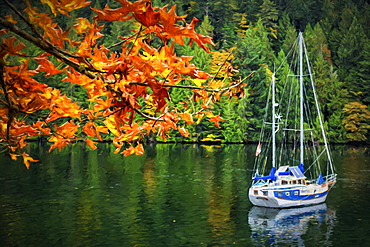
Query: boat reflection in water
[291, 227]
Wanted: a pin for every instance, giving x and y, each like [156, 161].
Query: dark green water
[173, 195]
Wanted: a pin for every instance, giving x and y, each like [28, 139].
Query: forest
[259, 33]
[248, 39]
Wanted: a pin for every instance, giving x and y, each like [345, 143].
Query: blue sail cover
[301, 167]
[320, 179]
[270, 176]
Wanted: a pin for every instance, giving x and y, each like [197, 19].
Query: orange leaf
[91, 144]
[214, 119]
[108, 14]
[38, 125]
[11, 46]
[148, 17]
[139, 149]
[187, 118]
[14, 156]
[27, 159]
[184, 132]
[47, 66]
[128, 151]
[89, 129]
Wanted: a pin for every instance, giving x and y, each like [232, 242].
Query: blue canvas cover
[320, 179]
[270, 176]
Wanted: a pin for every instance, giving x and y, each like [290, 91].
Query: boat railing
[331, 179]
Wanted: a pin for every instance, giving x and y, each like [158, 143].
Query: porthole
[287, 193]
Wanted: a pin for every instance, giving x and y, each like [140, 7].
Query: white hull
[287, 197]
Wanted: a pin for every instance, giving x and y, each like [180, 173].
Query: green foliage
[236, 114]
[268, 13]
[337, 38]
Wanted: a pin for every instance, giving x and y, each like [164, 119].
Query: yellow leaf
[109, 122]
[199, 82]
[200, 116]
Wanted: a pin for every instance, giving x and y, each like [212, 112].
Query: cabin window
[296, 193]
[287, 193]
[294, 182]
[299, 181]
[265, 193]
[255, 192]
[280, 194]
[283, 182]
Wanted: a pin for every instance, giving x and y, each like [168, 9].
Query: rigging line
[262, 132]
[318, 109]
[316, 159]
[286, 57]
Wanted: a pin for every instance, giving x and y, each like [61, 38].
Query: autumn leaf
[215, 119]
[39, 126]
[91, 144]
[47, 66]
[147, 17]
[188, 118]
[138, 150]
[11, 45]
[14, 156]
[27, 159]
[184, 132]
[65, 6]
[123, 90]
[10, 19]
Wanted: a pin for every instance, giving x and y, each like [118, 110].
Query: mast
[301, 95]
[273, 122]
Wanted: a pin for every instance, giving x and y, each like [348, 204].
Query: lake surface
[173, 195]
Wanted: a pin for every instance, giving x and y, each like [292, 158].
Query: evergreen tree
[224, 18]
[351, 62]
[268, 14]
[287, 33]
[301, 12]
[255, 54]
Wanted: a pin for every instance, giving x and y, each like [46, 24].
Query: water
[174, 195]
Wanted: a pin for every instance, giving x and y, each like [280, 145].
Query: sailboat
[293, 165]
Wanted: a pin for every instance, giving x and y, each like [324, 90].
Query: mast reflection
[293, 226]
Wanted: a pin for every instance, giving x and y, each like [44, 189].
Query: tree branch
[218, 90]
[46, 47]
